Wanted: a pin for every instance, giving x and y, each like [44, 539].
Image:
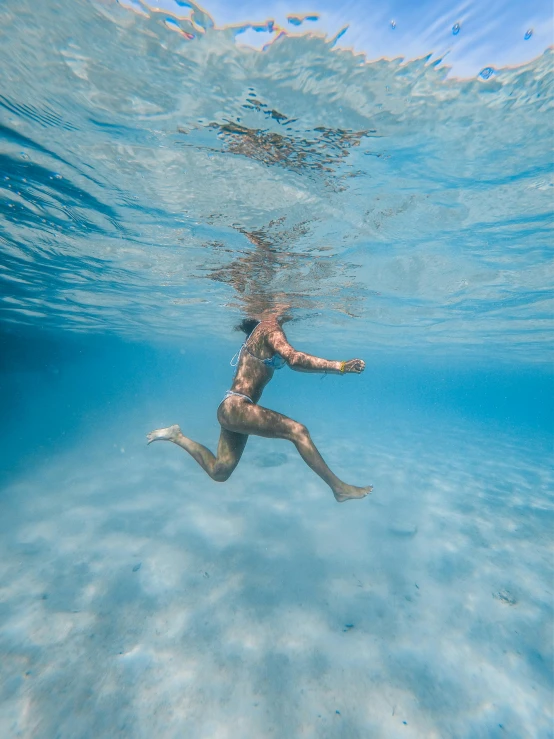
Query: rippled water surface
[150, 180]
[167, 170]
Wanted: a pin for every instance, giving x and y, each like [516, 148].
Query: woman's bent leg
[219, 468]
[246, 418]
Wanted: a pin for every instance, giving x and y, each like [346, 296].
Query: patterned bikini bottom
[230, 393]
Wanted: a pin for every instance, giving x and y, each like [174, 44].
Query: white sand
[261, 608]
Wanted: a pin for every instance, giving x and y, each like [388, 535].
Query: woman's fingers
[356, 365]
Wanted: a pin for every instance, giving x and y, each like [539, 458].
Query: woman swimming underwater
[265, 350]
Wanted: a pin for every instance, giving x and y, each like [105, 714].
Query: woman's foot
[168, 434]
[350, 492]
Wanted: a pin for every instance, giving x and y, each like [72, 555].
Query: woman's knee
[222, 472]
[299, 432]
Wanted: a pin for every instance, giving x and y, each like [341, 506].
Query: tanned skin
[239, 419]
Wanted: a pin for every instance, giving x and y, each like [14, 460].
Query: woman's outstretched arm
[302, 362]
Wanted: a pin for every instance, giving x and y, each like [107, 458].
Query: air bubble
[455, 29]
[393, 24]
[528, 34]
[486, 73]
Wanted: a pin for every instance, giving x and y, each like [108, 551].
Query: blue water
[160, 179]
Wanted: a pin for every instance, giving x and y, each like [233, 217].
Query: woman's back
[256, 361]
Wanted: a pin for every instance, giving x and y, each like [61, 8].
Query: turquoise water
[159, 180]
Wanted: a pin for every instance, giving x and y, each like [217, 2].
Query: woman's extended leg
[219, 468]
[240, 416]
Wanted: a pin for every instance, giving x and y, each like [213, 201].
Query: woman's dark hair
[247, 325]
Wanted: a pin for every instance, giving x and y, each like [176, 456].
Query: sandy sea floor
[140, 599]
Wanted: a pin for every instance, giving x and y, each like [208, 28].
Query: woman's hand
[354, 365]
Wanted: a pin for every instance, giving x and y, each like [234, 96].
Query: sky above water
[468, 35]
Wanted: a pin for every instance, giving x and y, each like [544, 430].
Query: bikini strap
[236, 356]
[256, 328]
[252, 334]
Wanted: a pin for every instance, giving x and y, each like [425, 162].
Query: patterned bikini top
[275, 362]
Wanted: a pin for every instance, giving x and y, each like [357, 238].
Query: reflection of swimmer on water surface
[265, 350]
